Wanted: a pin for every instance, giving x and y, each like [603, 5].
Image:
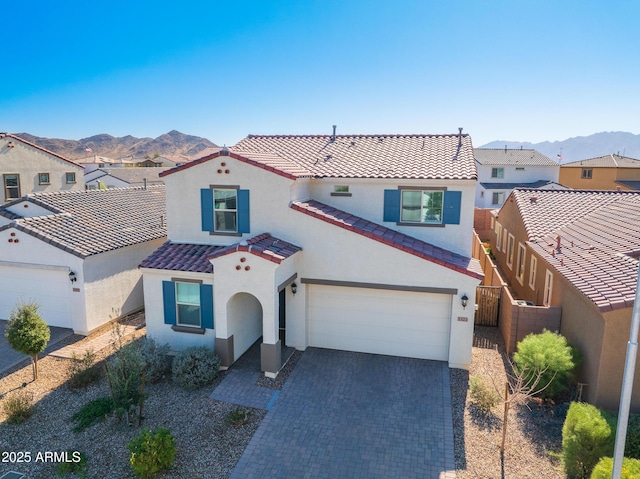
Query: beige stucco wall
[28, 161]
[602, 178]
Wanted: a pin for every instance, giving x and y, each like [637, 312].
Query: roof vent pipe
[145, 183]
[460, 136]
[558, 238]
[505, 149]
[333, 137]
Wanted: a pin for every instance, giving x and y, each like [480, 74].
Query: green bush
[238, 416]
[78, 469]
[587, 436]
[27, 332]
[484, 397]
[92, 412]
[630, 469]
[156, 359]
[632, 444]
[125, 371]
[195, 367]
[549, 355]
[152, 452]
[18, 407]
[83, 370]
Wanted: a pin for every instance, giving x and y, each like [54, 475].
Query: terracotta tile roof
[512, 157]
[382, 234]
[182, 257]
[606, 161]
[364, 156]
[599, 235]
[89, 222]
[264, 245]
[17, 138]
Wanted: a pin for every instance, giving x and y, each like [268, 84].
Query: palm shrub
[195, 367]
[587, 436]
[27, 333]
[604, 468]
[152, 452]
[548, 356]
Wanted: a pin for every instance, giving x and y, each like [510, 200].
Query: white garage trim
[390, 287]
[380, 321]
[35, 266]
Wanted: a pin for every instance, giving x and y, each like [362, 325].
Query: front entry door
[282, 314]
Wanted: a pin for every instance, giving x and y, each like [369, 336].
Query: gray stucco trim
[224, 350]
[287, 282]
[392, 287]
[271, 357]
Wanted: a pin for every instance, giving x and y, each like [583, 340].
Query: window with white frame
[522, 255]
[188, 304]
[421, 206]
[70, 177]
[504, 240]
[533, 265]
[497, 198]
[43, 179]
[548, 285]
[498, 236]
[510, 250]
[497, 172]
[11, 187]
[587, 173]
[225, 206]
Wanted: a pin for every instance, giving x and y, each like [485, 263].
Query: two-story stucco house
[502, 170]
[26, 168]
[609, 172]
[351, 242]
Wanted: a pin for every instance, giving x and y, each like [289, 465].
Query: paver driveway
[352, 415]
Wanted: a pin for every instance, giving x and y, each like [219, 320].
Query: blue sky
[504, 70]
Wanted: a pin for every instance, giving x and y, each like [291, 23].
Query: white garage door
[50, 288]
[397, 323]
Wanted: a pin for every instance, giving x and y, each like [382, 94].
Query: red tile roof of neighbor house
[389, 237]
[33, 145]
[599, 234]
[196, 257]
[90, 222]
[356, 156]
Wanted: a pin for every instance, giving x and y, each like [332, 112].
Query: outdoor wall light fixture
[294, 288]
[72, 277]
[464, 300]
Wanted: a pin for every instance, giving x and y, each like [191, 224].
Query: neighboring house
[359, 243]
[166, 161]
[578, 250]
[502, 170]
[610, 172]
[26, 168]
[94, 162]
[76, 253]
[122, 177]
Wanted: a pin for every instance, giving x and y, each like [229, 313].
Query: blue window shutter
[452, 204]
[243, 211]
[391, 205]
[206, 306]
[169, 301]
[206, 208]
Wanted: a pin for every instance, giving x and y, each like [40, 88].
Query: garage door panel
[397, 323]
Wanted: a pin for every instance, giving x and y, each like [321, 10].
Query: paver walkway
[96, 343]
[344, 415]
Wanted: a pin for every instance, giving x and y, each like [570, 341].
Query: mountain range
[171, 143]
[581, 147]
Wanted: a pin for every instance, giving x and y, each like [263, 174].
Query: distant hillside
[172, 143]
[582, 147]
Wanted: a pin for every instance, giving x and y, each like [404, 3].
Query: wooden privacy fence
[488, 299]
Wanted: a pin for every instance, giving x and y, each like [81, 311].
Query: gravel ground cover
[534, 432]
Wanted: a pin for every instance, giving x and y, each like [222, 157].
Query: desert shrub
[152, 452]
[483, 396]
[92, 412]
[587, 436]
[18, 407]
[549, 355]
[195, 367]
[125, 371]
[632, 443]
[27, 332]
[157, 362]
[238, 416]
[83, 370]
[77, 468]
[604, 468]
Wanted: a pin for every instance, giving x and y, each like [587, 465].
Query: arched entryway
[244, 321]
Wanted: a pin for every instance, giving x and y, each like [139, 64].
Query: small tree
[27, 333]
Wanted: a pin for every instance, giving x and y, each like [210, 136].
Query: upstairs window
[225, 207]
[340, 190]
[70, 177]
[11, 187]
[224, 210]
[497, 172]
[497, 198]
[587, 173]
[421, 206]
[43, 178]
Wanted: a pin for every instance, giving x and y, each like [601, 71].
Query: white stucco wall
[27, 161]
[113, 282]
[28, 209]
[530, 174]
